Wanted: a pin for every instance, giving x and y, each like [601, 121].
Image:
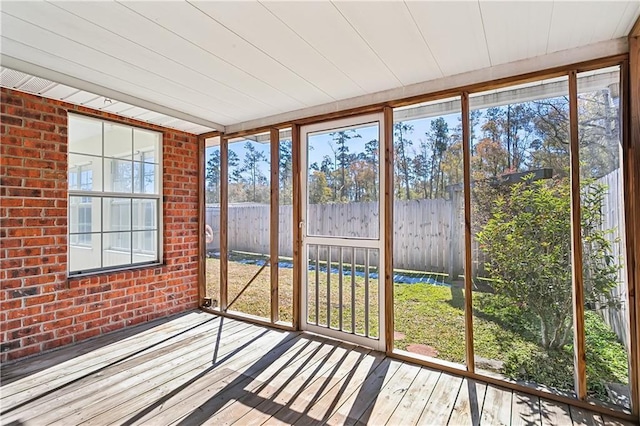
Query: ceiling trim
[525, 66]
[58, 77]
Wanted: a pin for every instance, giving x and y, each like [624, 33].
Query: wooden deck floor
[200, 369]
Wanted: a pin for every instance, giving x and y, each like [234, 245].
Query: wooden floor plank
[438, 408]
[201, 369]
[390, 396]
[359, 401]
[95, 380]
[611, 421]
[582, 417]
[237, 397]
[299, 406]
[68, 371]
[468, 405]
[299, 384]
[99, 346]
[554, 413]
[195, 367]
[415, 399]
[525, 409]
[330, 401]
[114, 389]
[496, 409]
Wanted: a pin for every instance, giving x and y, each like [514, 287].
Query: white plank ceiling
[225, 63]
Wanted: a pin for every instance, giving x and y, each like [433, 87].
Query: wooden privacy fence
[428, 236]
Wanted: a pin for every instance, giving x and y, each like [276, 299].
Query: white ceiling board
[117, 107]
[326, 30]
[403, 50]
[17, 80]
[230, 83]
[59, 91]
[556, 59]
[581, 23]
[455, 34]
[256, 24]
[80, 69]
[80, 98]
[189, 22]
[98, 103]
[72, 33]
[631, 14]
[516, 30]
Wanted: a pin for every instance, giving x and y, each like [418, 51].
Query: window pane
[342, 182]
[85, 135]
[118, 141]
[118, 175]
[145, 246]
[428, 242]
[603, 256]
[521, 233]
[116, 249]
[84, 214]
[85, 173]
[145, 214]
[85, 256]
[146, 146]
[144, 178]
[117, 214]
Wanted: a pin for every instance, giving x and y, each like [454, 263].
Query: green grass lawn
[433, 316]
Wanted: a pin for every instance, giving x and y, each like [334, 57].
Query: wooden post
[631, 181]
[224, 215]
[274, 234]
[387, 140]
[468, 277]
[296, 153]
[202, 246]
[576, 244]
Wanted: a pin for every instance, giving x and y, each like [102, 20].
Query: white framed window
[115, 196]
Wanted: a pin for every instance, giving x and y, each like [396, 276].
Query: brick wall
[40, 308]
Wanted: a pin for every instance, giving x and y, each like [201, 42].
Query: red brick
[37, 295]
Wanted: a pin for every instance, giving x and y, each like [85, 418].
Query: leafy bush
[527, 238]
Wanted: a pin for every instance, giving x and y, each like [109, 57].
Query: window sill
[114, 270]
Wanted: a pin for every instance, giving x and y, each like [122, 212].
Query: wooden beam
[224, 218]
[631, 182]
[274, 230]
[249, 318]
[635, 30]
[468, 273]
[202, 246]
[387, 140]
[296, 155]
[208, 135]
[576, 244]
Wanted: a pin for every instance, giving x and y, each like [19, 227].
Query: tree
[402, 161]
[251, 165]
[285, 172]
[438, 138]
[528, 241]
[212, 177]
[342, 157]
[319, 191]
